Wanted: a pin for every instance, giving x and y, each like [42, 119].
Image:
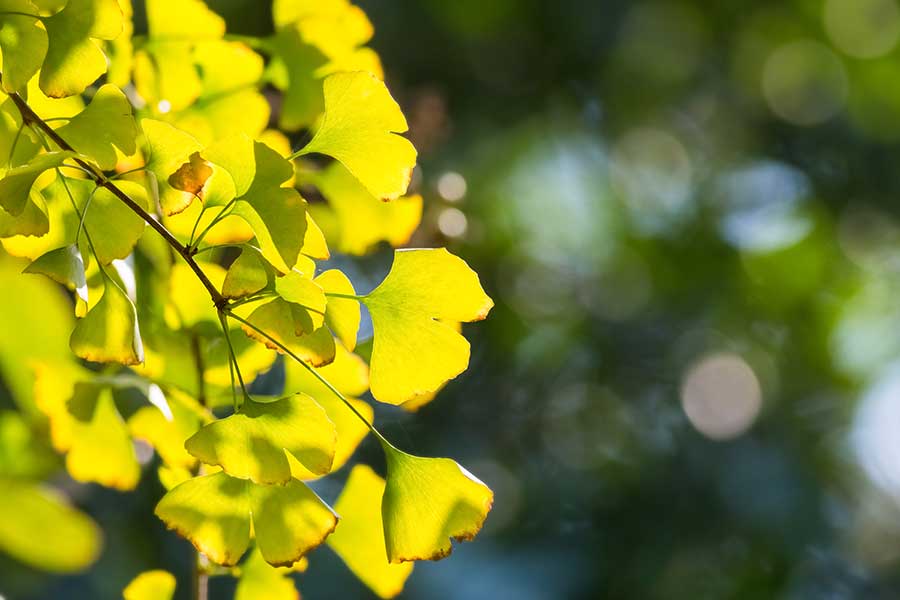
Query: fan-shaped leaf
[109, 332]
[107, 123]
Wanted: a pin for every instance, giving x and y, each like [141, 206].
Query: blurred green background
[687, 214]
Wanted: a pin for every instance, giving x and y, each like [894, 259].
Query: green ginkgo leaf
[215, 512]
[151, 585]
[115, 228]
[361, 129]
[427, 502]
[261, 580]
[44, 531]
[306, 295]
[341, 314]
[23, 43]
[413, 352]
[359, 538]
[167, 432]
[107, 123]
[101, 450]
[287, 323]
[15, 187]
[34, 219]
[246, 275]
[63, 265]
[74, 59]
[169, 149]
[109, 331]
[251, 444]
[362, 220]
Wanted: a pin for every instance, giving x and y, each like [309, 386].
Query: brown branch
[29, 117]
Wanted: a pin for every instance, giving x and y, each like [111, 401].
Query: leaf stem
[29, 116]
[194, 243]
[12, 149]
[311, 369]
[233, 356]
[345, 296]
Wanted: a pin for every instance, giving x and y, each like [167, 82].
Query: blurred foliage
[687, 215]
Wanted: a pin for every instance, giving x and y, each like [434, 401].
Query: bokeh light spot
[863, 28]
[721, 396]
[804, 83]
[452, 222]
[452, 186]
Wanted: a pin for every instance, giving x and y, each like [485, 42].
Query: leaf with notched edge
[428, 501]
[361, 129]
[251, 444]
[286, 323]
[215, 513]
[413, 351]
[106, 124]
[109, 331]
[169, 148]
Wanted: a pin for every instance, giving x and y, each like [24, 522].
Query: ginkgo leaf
[261, 580]
[192, 175]
[286, 323]
[34, 220]
[314, 243]
[427, 502]
[114, 227]
[15, 187]
[350, 375]
[151, 585]
[74, 60]
[109, 332]
[414, 353]
[120, 50]
[23, 43]
[214, 513]
[189, 303]
[341, 314]
[166, 433]
[251, 443]
[10, 124]
[362, 219]
[359, 538]
[107, 123]
[306, 295]
[361, 129]
[101, 450]
[44, 531]
[169, 149]
[246, 275]
[63, 265]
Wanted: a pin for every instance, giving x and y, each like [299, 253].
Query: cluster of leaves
[177, 221]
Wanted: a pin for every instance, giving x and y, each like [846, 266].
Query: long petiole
[345, 296]
[194, 243]
[12, 149]
[309, 368]
[233, 357]
[83, 214]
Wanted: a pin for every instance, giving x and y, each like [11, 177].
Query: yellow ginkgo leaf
[169, 148]
[151, 585]
[15, 187]
[306, 295]
[261, 580]
[341, 313]
[109, 331]
[246, 275]
[106, 124]
[361, 129]
[101, 450]
[350, 375]
[413, 352]
[362, 219]
[359, 538]
[166, 433]
[215, 512]
[23, 43]
[421, 400]
[287, 323]
[42, 530]
[427, 502]
[251, 444]
[314, 244]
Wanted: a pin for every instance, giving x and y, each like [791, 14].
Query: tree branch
[29, 117]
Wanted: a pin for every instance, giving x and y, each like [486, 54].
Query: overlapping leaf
[413, 352]
[215, 513]
[251, 444]
[106, 124]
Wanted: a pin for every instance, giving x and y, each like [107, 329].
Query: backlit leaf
[65, 266]
[74, 59]
[44, 531]
[166, 433]
[107, 123]
[361, 129]
[101, 450]
[251, 443]
[15, 187]
[109, 332]
[246, 275]
[151, 585]
[169, 149]
[341, 314]
[23, 42]
[114, 227]
[261, 580]
[306, 295]
[214, 513]
[362, 219]
[428, 501]
[286, 323]
[359, 537]
[413, 352]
